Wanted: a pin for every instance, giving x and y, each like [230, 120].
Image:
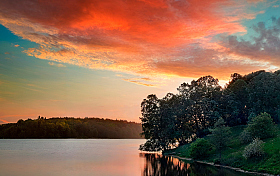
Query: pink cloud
[55, 64]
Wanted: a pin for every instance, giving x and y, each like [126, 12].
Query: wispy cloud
[141, 37]
[16, 45]
[154, 82]
[3, 121]
[135, 81]
[146, 79]
[57, 65]
[12, 118]
[119, 75]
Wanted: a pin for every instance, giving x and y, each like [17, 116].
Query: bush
[262, 126]
[254, 149]
[200, 149]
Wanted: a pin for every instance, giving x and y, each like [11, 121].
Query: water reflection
[158, 165]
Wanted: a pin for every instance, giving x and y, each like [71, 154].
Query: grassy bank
[233, 154]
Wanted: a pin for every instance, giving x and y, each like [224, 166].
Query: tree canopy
[69, 127]
[182, 117]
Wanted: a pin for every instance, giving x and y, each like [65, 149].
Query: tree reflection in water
[159, 165]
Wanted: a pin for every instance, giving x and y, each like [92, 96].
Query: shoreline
[218, 165]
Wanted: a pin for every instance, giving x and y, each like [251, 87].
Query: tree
[150, 109]
[261, 126]
[183, 117]
[264, 94]
[201, 102]
[169, 122]
[162, 122]
[235, 101]
[220, 136]
[180, 118]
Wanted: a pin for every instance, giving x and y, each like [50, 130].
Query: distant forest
[189, 114]
[69, 127]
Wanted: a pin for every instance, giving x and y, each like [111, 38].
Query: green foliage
[220, 135]
[187, 115]
[246, 137]
[70, 128]
[261, 126]
[234, 159]
[183, 117]
[233, 154]
[251, 116]
[254, 149]
[200, 149]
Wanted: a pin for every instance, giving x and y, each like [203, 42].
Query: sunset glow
[96, 58]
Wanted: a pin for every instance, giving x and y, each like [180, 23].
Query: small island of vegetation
[237, 125]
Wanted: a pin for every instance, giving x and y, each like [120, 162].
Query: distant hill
[69, 127]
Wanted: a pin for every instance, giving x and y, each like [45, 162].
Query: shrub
[254, 149]
[246, 137]
[262, 126]
[200, 149]
[220, 136]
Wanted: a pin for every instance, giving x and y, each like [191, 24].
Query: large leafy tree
[264, 94]
[161, 122]
[150, 109]
[182, 117]
[201, 103]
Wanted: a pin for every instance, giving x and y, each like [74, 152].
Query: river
[96, 157]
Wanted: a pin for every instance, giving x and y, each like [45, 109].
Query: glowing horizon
[101, 58]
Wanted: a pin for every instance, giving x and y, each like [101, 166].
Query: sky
[101, 58]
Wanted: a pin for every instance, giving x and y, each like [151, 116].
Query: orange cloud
[142, 37]
[3, 121]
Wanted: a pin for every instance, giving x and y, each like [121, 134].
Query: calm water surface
[95, 157]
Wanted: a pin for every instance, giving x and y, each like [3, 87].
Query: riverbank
[218, 165]
[232, 156]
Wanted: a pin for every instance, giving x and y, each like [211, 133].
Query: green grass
[232, 155]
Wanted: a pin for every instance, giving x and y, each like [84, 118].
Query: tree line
[177, 119]
[69, 127]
